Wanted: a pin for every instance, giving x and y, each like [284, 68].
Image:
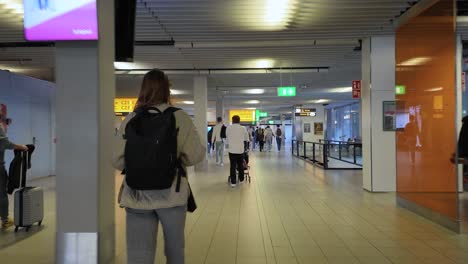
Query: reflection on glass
[343, 123]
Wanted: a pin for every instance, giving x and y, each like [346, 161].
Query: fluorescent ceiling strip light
[176, 92]
[415, 61]
[437, 89]
[188, 102]
[252, 102]
[254, 91]
[340, 90]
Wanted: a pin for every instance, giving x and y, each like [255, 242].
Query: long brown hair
[155, 89]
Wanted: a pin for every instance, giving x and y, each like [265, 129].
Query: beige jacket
[190, 151]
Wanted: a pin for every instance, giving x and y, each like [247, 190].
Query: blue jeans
[142, 233]
[219, 151]
[3, 194]
[278, 143]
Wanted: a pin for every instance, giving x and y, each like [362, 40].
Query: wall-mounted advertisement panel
[58, 20]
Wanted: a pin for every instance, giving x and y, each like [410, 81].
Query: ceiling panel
[214, 34]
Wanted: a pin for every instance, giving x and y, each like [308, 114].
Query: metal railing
[326, 154]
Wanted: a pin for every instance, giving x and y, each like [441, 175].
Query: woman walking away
[157, 142]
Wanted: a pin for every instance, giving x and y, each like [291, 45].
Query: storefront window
[343, 123]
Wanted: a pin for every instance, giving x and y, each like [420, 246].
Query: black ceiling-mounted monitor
[125, 13]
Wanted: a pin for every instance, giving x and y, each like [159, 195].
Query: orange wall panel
[425, 58]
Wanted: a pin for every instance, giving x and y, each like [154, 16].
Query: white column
[85, 178]
[200, 89]
[378, 85]
[220, 107]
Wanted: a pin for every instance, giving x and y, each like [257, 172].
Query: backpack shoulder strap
[171, 109]
[143, 110]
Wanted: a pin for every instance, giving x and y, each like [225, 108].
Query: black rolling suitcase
[28, 201]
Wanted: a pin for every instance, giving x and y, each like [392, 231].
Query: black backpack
[279, 133]
[223, 132]
[19, 166]
[151, 161]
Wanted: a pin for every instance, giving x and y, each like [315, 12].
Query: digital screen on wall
[58, 20]
[123, 106]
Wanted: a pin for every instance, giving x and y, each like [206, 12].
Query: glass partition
[426, 136]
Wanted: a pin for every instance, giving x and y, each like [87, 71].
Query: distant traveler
[279, 137]
[462, 144]
[4, 145]
[254, 137]
[209, 137]
[268, 137]
[260, 138]
[236, 137]
[219, 134]
[157, 142]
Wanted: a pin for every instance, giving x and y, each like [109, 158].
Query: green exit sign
[287, 91]
[259, 114]
[400, 89]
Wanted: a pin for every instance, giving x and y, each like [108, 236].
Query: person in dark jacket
[5, 144]
[462, 144]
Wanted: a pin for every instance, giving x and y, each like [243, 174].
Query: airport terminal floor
[291, 212]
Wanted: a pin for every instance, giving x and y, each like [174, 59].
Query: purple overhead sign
[57, 20]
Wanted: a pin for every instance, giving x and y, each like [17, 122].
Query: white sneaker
[233, 185]
[222, 164]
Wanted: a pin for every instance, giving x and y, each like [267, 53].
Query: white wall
[319, 118]
[378, 85]
[30, 105]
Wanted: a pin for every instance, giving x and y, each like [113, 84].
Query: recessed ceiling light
[254, 91]
[276, 14]
[189, 102]
[252, 102]
[14, 7]
[264, 63]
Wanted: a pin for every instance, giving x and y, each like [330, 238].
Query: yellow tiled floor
[292, 212]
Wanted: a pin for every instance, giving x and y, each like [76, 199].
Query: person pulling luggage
[4, 145]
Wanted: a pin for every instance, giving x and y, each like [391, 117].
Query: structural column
[378, 85]
[200, 89]
[85, 178]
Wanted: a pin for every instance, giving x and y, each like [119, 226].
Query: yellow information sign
[124, 105]
[244, 114]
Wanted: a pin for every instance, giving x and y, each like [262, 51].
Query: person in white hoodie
[237, 137]
[146, 208]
